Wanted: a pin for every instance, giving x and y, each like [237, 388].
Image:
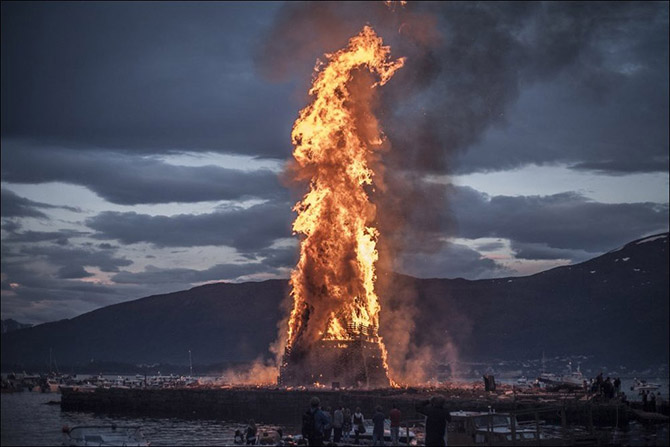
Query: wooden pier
[285, 406]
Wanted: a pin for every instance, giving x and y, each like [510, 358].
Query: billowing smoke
[465, 65]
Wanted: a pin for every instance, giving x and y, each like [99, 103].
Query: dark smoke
[465, 66]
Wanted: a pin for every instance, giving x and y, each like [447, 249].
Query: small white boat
[570, 379]
[103, 435]
[643, 385]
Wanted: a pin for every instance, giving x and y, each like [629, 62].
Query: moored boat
[103, 435]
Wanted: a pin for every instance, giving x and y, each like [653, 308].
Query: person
[239, 437]
[436, 420]
[652, 402]
[395, 415]
[328, 430]
[314, 422]
[251, 432]
[338, 423]
[608, 388]
[359, 427]
[346, 427]
[645, 405]
[599, 383]
[378, 430]
[617, 385]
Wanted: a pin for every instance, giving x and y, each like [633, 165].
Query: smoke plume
[465, 65]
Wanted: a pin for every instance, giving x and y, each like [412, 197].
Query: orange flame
[337, 142]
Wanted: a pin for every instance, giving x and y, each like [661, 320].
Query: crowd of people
[607, 388]
[320, 426]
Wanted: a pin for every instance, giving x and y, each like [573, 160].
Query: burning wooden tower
[333, 327]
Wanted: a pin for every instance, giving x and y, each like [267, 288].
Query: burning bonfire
[333, 327]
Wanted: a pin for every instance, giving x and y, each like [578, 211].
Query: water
[28, 420]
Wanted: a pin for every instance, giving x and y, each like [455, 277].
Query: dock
[285, 406]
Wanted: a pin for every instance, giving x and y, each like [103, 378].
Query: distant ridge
[613, 307]
[10, 325]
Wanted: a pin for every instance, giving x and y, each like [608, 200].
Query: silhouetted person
[359, 428]
[608, 388]
[346, 427]
[652, 402]
[328, 429]
[378, 430]
[617, 385]
[314, 422]
[645, 404]
[395, 415]
[250, 433]
[436, 419]
[599, 383]
[338, 423]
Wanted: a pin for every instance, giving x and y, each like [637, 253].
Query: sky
[143, 145]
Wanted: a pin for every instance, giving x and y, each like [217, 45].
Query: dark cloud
[11, 225]
[566, 221]
[73, 272]
[129, 179]
[491, 246]
[144, 76]
[14, 205]
[532, 251]
[622, 167]
[453, 261]
[60, 237]
[246, 229]
[69, 257]
[185, 276]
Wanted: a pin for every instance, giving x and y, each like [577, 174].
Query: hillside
[10, 325]
[613, 307]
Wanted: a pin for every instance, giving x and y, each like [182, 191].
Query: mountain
[613, 307]
[10, 325]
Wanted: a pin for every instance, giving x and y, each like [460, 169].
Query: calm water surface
[28, 420]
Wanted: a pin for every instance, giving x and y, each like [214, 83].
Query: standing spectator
[359, 427]
[314, 422]
[436, 420]
[338, 423]
[328, 429]
[378, 431]
[652, 402]
[645, 405]
[251, 432]
[346, 428]
[395, 415]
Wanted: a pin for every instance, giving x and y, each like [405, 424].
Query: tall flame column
[337, 140]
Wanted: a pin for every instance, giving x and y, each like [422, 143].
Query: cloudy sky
[143, 143]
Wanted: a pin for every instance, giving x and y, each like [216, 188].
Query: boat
[571, 379]
[484, 428]
[103, 435]
[490, 428]
[643, 385]
[522, 381]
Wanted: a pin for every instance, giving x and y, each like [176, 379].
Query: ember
[332, 329]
